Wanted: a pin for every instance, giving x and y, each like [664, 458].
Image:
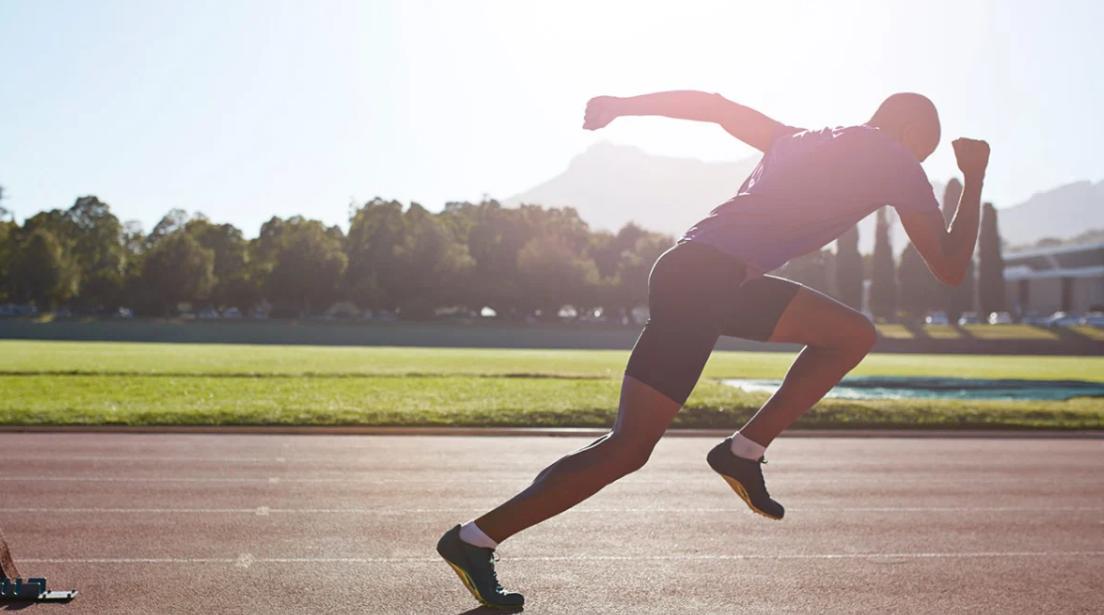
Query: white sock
[471, 534]
[745, 448]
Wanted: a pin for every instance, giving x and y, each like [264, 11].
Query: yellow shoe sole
[740, 491]
[466, 580]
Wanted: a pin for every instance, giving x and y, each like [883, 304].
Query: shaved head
[911, 119]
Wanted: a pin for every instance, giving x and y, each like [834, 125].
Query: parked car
[207, 313]
[16, 309]
[231, 312]
[1000, 318]
[936, 318]
[1095, 319]
[1061, 319]
[1034, 319]
[969, 318]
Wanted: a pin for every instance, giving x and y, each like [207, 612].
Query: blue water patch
[908, 387]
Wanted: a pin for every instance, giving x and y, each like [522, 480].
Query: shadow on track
[486, 610]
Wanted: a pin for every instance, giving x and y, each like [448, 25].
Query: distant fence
[345, 333]
[462, 335]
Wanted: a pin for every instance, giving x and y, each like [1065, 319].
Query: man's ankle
[746, 448]
[471, 534]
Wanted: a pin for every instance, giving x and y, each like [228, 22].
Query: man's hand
[972, 155]
[600, 111]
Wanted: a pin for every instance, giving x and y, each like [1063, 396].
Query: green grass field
[68, 383]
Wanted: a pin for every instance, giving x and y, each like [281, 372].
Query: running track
[148, 524]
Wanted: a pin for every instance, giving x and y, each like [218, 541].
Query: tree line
[529, 261]
[520, 262]
[907, 290]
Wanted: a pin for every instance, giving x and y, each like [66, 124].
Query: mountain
[611, 185]
[1065, 211]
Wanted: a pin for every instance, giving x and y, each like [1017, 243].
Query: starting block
[31, 590]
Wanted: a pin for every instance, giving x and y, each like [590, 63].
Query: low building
[1067, 278]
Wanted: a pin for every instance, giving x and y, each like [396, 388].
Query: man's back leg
[469, 548]
[643, 416]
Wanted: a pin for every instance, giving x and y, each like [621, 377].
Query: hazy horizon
[246, 109]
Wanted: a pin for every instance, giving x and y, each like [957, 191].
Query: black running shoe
[475, 567]
[745, 476]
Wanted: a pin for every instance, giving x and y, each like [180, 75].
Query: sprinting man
[809, 187]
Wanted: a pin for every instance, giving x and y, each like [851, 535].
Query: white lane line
[804, 480]
[248, 560]
[265, 511]
[10, 459]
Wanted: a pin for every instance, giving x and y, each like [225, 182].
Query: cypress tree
[990, 263]
[918, 290]
[849, 269]
[883, 285]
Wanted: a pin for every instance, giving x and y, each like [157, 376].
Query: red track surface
[346, 524]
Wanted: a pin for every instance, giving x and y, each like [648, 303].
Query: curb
[591, 432]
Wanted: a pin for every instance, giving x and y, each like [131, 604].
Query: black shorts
[696, 293]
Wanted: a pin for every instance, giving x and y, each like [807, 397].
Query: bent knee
[638, 459]
[854, 338]
[631, 456]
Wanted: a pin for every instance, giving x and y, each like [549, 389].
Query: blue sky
[245, 109]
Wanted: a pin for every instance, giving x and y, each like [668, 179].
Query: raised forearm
[680, 104]
[962, 235]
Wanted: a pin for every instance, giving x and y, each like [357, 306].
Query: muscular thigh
[775, 309]
[757, 307]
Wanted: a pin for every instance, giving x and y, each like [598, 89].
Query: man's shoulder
[857, 134]
[870, 139]
[861, 132]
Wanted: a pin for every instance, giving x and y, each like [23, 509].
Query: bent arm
[948, 252]
[744, 123]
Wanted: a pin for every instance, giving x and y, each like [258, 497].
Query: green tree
[375, 230]
[233, 284]
[41, 272]
[173, 221]
[8, 229]
[431, 265]
[849, 269]
[134, 244]
[308, 264]
[624, 261]
[634, 266]
[918, 290]
[494, 236]
[554, 275]
[176, 269]
[957, 299]
[883, 286]
[990, 281]
[91, 238]
[96, 246]
[53, 221]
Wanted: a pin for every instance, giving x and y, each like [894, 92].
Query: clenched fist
[972, 155]
[600, 111]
